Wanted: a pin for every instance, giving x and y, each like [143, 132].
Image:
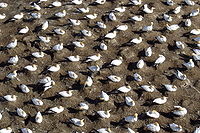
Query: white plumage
[136, 40]
[93, 58]
[72, 75]
[189, 64]
[88, 81]
[10, 98]
[21, 113]
[54, 68]
[44, 39]
[95, 68]
[31, 68]
[148, 27]
[111, 35]
[58, 47]
[131, 118]
[160, 60]
[175, 127]
[86, 32]
[77, 122]
[180, 111]
[74, 58]
[24, 88]
[136, 2]
[61, 14]
[137, 18]
[154, 127]
[189, 2]
[104, 114]
[103, 46]
[6, 130]
[59, 31]
[38, 118]
[45, 25]
[194, 13]
[188, 22]
[140, 64]
[75, 22]
[78, 44]
[177, 9]
[122, 27]
[124, 89]
[153, 114]
[148, 10]
[37, 101]
[161, 100]
[137, 77]
[148, 88]
[180, 75]
[114, 78]
[26, 130]
[12, 44]
[129, 101]
[91, 16]
[38, 54]
[112, 16]
[172, 27]
[57, 110]
[66, 93]
[148, 52]
[117, 62]
[77, 2]
[13, 60]
[24, 30]
[104, 96]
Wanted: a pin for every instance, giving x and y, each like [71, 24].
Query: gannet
[111, 35]
[77, 122]
[21, 113]
[154, 127]
[38, 117]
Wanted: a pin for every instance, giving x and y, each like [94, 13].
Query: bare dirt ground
[185, 96]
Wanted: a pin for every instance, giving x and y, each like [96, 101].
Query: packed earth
[99, 66]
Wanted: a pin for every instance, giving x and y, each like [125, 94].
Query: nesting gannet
[170, 87]
[3, 5]
[188, 22]
[77, 2]
[12, 44]
[160, 100]
[177, 9]
[124, 89]
[117, 62]
[140, 64]
[104, 114]
[88, 81]
[132, 118]
[24, 88]
[45, 25]
[59, 31]
[147, 10]
[114, 78]
[103, 46]
[197, 130]
[74, 58]
[137, 18]
[197, 39]
[161, 39]
[78, 44]
[91, 16]
[2, 16]
[122, 27]
[148, 88]
[189, 2]
[196, 57]
[154, 127]
[66, 93]
[77, 122]
[167, 17]
[129, 101]
[86, 32]
[56, 4]
[136, 40]
[137, 77]
[13, 60]
[31, 68]
[180, 75]
[111, 35]
[6, 130]
[160, 60]
[120, 9]
[136, 2]
[104, 96]
[148, 27]
[180, 45]
[170, 2]
[197, 51]
[44, 39]
[36, 7]
[189, 64]
[12, 75]
[101, 2]
[75, 22]
[172, 27]
[61, 14]
[195, 31]
[93, 58]
[130, 130]
[38, 54]
[26, 130]
[112, 16]
[35, 15]
[21, 113]
[24, 30]
[58, 47]
[148, 52]
[153, 114]
[10, 98]
[179, 111]
[104, 130]
[38, 117]
[18, 16]
[72, 75]
[57, 110]
[95, 68]
[175, 127]
[101, 25]
[40, 1]
[84, 10]
[54, 68]
[194, 13]
[37, 101]
[83, 106]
